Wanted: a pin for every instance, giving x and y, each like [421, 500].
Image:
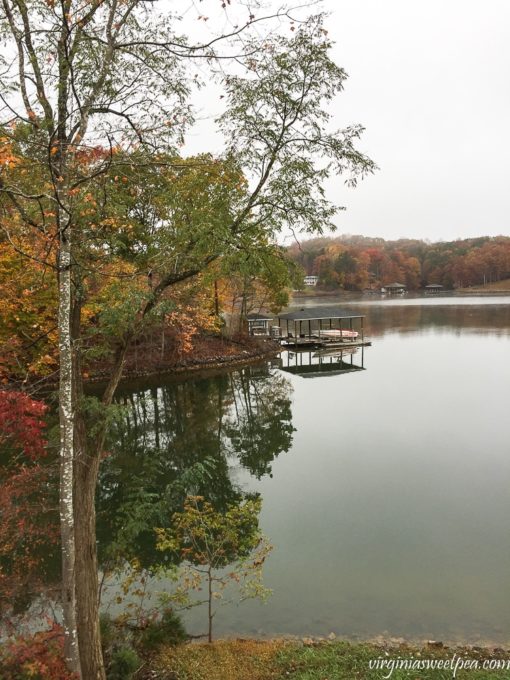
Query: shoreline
[196, 369]
[379, 641]
[213, 356]
[349, 294]
[385, 639]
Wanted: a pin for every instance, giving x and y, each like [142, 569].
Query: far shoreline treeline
[352, 262]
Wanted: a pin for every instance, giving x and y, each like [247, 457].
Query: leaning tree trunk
[66, 422]
[86, 468]
[89, 451]
[87, 587]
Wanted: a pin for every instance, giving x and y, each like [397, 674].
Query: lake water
[386, 490]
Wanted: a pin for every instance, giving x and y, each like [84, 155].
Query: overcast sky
[430, 81]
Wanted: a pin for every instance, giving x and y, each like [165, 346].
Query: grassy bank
[498, 287]
[284, 660]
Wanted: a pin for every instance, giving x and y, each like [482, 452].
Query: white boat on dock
[337, 334]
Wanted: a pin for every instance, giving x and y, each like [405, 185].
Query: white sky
[430, 81]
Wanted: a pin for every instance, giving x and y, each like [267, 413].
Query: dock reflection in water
[325, 362]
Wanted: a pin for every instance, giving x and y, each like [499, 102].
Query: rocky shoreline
[225, 356]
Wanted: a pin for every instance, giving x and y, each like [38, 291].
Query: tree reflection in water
[186, 437]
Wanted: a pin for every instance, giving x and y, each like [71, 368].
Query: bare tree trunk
[66, 422]
[216, 298]
[86, 469]
[209, 606]
[87, 586]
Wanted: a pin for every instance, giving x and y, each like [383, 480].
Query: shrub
[168, 630]
[109, 633]
[35, 657]
[123, 664]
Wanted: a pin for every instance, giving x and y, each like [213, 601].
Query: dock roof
[316, 313]
[260, 317]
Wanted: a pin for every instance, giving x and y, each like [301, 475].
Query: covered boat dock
[434, 289]
[321, 327]
[258, 324]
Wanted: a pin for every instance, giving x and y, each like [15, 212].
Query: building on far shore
[397, 288]
[311, 280]
[434, 288]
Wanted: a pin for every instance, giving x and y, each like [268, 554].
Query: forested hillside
[358, 262]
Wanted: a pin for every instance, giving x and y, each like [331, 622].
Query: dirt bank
[209, 355]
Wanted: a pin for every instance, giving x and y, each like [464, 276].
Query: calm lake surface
[386, 491]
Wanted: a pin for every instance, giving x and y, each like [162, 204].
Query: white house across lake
[310, 280]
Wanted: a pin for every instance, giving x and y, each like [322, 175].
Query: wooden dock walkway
[322, 343]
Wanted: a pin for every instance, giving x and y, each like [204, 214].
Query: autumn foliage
[124, 248]
[21, 420]
[28, 527]
[357, 262]
[28, 334]
[39, 656]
